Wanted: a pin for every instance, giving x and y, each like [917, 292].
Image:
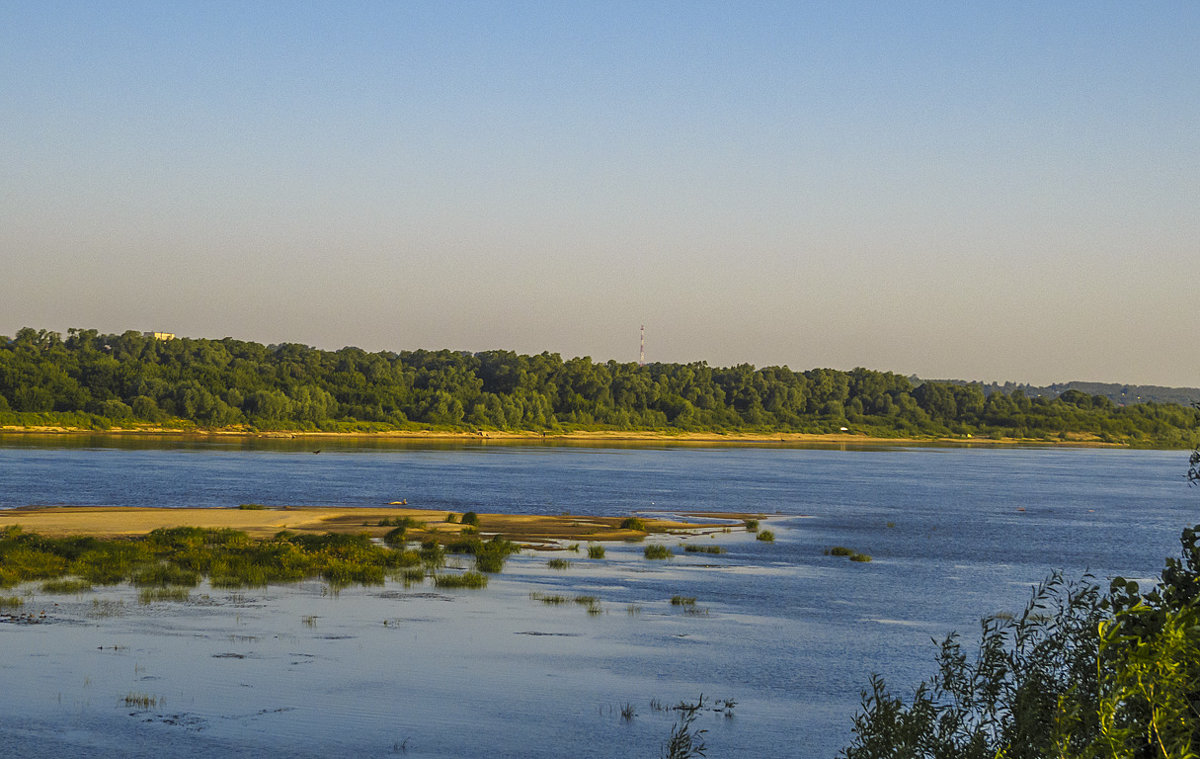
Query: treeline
[100, 381]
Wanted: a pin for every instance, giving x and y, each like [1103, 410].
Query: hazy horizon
[992, 192]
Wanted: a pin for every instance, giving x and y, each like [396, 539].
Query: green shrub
[395, 537]
[751, 524]
[683, 600]
[470, 518]
[633, 523]
[595, 551]
[558, 564]
[766, 536]
[691, 548]
[860, 557]
[840, 551]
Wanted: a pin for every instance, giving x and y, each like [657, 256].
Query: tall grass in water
[657, 551]
[691, 548]
[66, 586]
[766, 536]
[633, 523]
[465, 580]
[11, 602]
[151, 595]
[595, 551]
[558, 564]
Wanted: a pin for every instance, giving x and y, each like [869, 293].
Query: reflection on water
[789, 633]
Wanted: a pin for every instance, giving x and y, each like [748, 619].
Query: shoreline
[583, 436]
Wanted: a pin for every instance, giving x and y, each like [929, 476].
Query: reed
[66, 586]
[683, 600]
[549, 599]
[473, 580]
[691, 548]
[140, 700]
[765, 536]
[11, 602]
[151, 595]
[751, 524]
[595, 551]
[633, 523]
[657, 551]
[558, 564]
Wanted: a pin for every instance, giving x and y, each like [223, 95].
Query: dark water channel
[789, 633]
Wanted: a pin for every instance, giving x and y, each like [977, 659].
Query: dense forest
[98, 381]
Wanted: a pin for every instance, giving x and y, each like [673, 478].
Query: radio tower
[642, 351]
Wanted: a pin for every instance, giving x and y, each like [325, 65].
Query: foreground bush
[1080, 674]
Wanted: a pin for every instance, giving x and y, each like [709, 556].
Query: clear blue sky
[1005, 190]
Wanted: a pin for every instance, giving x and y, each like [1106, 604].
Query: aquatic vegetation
[558, 564]
[766, 536]
[472, 580]
[861, 557]
[839, 551]
[633, 523]
[66, 586]
[140, 700]
[685, 741]
[595, 551]
[628, 712]
[252, 507]
[586, 600]
[633, 610]
[548, 599]
[451, 518]
[432, 554]
[573, 548]
[399, 522]
[470, 518]
[411, 576]
[164, 574]
[309, 621]
[657, 551]
[683, 600]
[150, 595]
[692, 548]
[751, 524]
[489, 555]
[395, 537]
[11, 602]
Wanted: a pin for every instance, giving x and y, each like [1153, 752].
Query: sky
[985, 190]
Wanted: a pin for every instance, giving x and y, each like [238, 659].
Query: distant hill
[1121, 395]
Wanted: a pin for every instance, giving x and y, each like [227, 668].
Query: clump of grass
[252, 507]
[451, 518]
[657, 551]
[860, 557]
[11, 602]
[470, 518]
[595, 551]
[432, 554]
[766, 536]
[633, 523]
[751, 524]
[890, 525]
[140, 700]
[683, 600]
[469, 530]
[410, 575]
[590, 603]
[66, 586]
[164, 574]
[309, 621]
[558, 564]
[628, 712]
[695, 611]
[150, 595]
[633, 610]
[692, 548]
[395, 536]
[473, 580]
[573, 548]
[399, 522]
[549, 599]
[840, 551]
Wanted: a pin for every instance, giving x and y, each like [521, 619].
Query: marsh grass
[751, 524]
[140, 701]
[683, 600]
[840, 551]
[558, 564]
[182, 556]
[633, 610]
[470, 518]
[473, 580]
[309, 621]
[410, 575]
[151, 595]
[657, 551]
[11, 602]
[860, 557]
[399, 522]
[549, 599]
[595, 551]
[633, 523]
[489, 555]
[66, 586]
[252, 507]
[765, 536]
[690, 548]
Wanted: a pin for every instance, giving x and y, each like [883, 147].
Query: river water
[790, 634]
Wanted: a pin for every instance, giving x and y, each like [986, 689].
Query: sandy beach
[534, 530]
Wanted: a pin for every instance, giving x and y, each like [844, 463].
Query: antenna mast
[642, 351]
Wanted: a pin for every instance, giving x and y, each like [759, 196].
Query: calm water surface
[791, 634]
